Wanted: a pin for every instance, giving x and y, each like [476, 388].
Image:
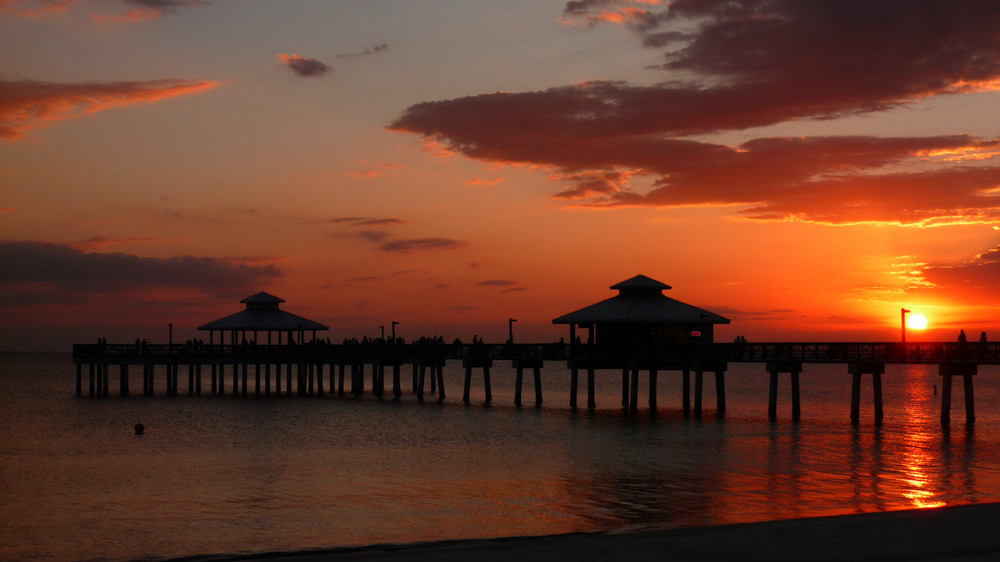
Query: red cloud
[753, 63]
[28, 104]
[38, 9]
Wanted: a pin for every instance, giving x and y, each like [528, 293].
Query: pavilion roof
[268, 318]
[641, 301]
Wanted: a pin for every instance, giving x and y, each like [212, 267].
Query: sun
[916, 322]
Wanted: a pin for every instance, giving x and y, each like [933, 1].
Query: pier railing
[804, 352]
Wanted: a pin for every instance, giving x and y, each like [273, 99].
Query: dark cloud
[978, 276]
[27, 104]
[165, 5]
[304, 66]
[497, 283]
[408, 245]
[364, 221]
[754, 63]
[374, 49]
[70, 269]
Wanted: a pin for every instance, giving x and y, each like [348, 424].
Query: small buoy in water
[139, 429]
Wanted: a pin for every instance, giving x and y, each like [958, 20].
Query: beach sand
[969, 533]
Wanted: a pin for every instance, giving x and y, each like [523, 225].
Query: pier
[318, 368]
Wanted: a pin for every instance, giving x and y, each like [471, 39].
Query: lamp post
[394, 324]
[382, 328]
[170, 334]
[510, 329]
[902, 317]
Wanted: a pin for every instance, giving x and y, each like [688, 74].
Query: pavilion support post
[970, 402]
[574, 375]
[793, 368]
[421, 371]
[468, 384]
[686, 390]
[518, 379]
[439, 371]
[698, 385]
[591, 400]
[79, 379]
[652, 389]
[633, 402]
[123, 379]
[357, 378]
[397, 390]
[877, 394]
[340, 379]
[948, 371]
[857, 370]
[720, 390]
[625, 376]
[796, 403]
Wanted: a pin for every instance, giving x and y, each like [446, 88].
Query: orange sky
[805, 171]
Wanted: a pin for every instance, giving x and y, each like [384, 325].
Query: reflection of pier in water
[316, 367]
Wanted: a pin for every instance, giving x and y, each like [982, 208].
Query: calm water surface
[254, 474]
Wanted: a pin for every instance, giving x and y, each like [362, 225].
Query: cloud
[35, 9]
[374, 49]
[751, 64]
[497, 283]
[102, 243]
[304, 66]
[28, 104]
[411, 244]
[365, 221]
[145, 10]
[977, 276]
[73, 270]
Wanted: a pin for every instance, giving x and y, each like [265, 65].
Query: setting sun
[916, 322]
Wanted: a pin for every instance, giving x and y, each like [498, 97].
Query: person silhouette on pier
[961, 336]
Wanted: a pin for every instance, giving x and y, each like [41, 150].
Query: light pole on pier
[382, 328]
[510, 330]
[902, 316]
[394, 324]
[170, 333]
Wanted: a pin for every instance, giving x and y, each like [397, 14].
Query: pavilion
[262, 314]
[641, 313]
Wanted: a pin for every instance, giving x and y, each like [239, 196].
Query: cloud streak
[751, 64]
[28, 104]
[74, 270]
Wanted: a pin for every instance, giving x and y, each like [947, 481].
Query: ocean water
[251, 474]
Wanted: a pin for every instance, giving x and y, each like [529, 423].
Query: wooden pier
[316, 368]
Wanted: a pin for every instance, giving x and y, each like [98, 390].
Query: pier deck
[308, 361]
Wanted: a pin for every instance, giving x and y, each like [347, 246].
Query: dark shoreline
[967, 532]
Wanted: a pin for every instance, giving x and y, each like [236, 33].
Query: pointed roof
[263, 314]
[641, 300]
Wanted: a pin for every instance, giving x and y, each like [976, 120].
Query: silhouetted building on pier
[641, 313]
[263, 314]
